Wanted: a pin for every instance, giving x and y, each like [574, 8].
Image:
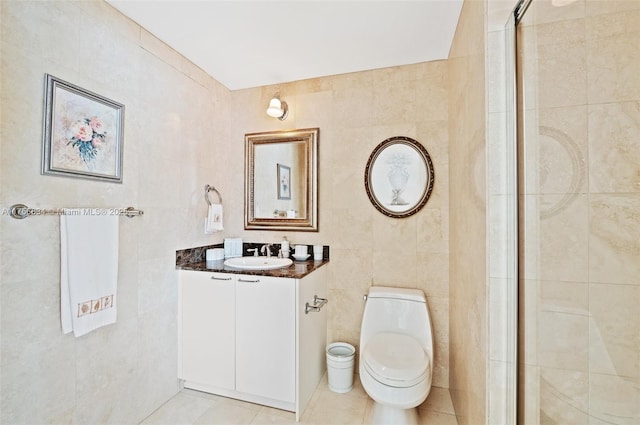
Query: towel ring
[208, 189]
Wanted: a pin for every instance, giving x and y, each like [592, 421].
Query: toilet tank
[398, 310]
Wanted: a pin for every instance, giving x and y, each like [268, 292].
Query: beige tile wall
[581, 334]
[173, 121]
[468, 217]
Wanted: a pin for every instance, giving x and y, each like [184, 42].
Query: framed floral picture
[83, 133]
[284, 182]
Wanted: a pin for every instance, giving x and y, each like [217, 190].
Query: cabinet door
[208, 328]
[265, 337]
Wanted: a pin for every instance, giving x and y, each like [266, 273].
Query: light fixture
[278, 108]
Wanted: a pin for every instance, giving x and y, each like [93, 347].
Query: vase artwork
[398, 177]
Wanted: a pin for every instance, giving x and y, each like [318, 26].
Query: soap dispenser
[284, 247]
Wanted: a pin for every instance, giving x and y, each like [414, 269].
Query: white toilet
[396, 353]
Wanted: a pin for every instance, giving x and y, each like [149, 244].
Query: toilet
[396, 353]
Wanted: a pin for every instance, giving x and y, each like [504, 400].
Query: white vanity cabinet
[248, 337]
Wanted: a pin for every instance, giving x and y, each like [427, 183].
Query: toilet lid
[395, 359]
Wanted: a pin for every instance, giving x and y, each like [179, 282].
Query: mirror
[281, 180]
[399, 177]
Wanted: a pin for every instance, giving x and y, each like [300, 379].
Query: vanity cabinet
[248, 337]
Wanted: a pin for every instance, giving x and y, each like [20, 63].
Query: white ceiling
[246, 44]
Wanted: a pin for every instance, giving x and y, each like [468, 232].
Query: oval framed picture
[399, 177]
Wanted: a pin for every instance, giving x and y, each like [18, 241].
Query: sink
[258, 263]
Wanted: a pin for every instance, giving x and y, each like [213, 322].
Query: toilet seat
[396, 360]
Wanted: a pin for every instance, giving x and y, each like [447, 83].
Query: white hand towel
[213, 222]
[88, 271]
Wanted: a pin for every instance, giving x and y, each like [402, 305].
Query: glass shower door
[579, 212]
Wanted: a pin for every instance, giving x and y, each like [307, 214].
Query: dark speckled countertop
[193, 259]
[297, 270]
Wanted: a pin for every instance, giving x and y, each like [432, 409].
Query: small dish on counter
[301, 257]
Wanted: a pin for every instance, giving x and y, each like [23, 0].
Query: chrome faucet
[266, 247]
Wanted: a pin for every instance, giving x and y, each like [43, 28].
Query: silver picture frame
[82, 133]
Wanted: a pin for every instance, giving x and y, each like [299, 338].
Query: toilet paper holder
[318, 303]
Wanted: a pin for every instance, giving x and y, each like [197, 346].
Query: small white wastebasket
[340, 361]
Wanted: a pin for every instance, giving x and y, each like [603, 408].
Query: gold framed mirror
[281, 180]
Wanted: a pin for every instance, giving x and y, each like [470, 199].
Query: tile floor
[190, 407]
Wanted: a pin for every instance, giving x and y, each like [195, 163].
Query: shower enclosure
[578, 116]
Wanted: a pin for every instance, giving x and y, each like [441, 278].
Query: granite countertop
[194, 259]
[297, 270]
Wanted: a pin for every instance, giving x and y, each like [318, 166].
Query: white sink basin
[258, 263]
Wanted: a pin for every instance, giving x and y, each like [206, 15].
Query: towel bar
[20, 211]
[318, 303]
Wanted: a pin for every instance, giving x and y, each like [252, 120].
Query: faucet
[266, 247]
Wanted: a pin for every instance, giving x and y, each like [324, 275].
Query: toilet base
[385, 415]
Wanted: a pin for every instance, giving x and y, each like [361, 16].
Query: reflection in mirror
[281, 180]
[278, 173]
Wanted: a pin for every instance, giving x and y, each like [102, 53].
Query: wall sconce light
[278, 108]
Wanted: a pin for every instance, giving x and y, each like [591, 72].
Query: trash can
[340, 361]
